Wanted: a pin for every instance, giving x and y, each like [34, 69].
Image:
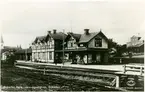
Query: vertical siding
[43, 52]
[69, 43]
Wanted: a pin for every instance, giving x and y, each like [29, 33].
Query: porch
[82, 56]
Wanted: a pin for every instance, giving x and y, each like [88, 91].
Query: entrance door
[85, 59]
[98, 58]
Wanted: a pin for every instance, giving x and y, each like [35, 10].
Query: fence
[134, 68]
[120, 60]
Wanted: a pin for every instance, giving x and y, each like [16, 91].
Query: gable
[104, 42]
[38, 41]
[86, 38]
[71, 38]
[100, 35]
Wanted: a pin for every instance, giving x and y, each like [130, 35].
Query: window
[33, 55]
[81, 45]
[71, 44]
[98, 42]
[38, 55]
[50, 55]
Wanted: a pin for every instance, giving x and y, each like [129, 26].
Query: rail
[134, 68]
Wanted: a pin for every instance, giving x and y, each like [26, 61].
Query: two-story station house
[43, 47]
[87, 48]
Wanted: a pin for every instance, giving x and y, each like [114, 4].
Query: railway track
[64, 82]
[103, 78]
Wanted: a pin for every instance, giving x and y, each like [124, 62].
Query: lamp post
[26, 54]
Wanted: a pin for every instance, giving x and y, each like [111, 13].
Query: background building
[136, 45]
[24, 54]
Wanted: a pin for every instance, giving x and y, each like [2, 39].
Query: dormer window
[81, 45]
[71, 42]
[98, 42]
[50, 40]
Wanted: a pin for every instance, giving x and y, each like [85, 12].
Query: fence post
[117, 82]
[141, 70]
[124, 69]
[15, 64]
[120, 61]
[44, 71]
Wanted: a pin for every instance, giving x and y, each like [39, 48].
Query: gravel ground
[17, 79]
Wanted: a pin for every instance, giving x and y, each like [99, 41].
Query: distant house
[87, 48]
[136, 45]
[24, 54]
[7, 50]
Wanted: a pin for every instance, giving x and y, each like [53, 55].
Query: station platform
[117, 68]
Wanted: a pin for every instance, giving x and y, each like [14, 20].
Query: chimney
[86, 31]
[49, 32]
[54, 31]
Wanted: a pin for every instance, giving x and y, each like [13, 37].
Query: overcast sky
[23, 20]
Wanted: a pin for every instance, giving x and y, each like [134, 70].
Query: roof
[138, 37]
[86, 38]
[82, 38]
[74, 35]
[41, 38]
[83, 49]
[137, 45]
[21, 51]
[9, 48]
[58, 36]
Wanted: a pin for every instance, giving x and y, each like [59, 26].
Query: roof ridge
[87, 38]
[41, 36]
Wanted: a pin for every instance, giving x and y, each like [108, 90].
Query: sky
[22, 20]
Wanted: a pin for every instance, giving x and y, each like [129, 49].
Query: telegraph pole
[71, 25]
[45, 51]
[63, 47]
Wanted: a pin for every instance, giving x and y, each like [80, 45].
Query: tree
[116, 49]
[111, 44]
[11, 58]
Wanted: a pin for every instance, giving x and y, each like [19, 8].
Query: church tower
[2, 43]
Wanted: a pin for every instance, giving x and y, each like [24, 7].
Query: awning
[82, 49]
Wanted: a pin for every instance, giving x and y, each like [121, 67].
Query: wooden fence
[134, 68]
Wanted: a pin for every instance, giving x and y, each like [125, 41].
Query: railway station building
[58, 47]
